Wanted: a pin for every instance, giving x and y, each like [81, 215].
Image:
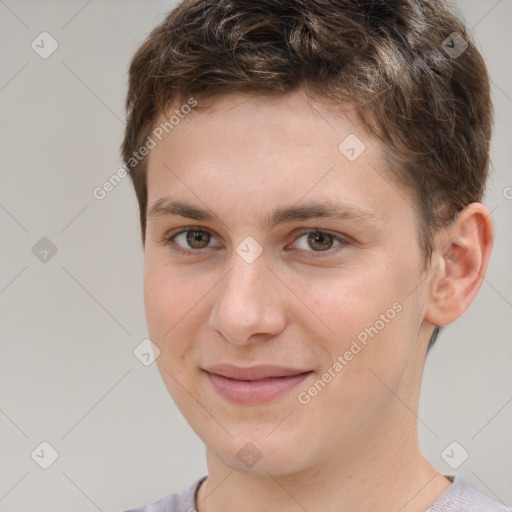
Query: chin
[260, 454]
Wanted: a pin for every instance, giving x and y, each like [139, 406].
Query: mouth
[253, 385]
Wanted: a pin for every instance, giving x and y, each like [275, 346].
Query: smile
[253, 385]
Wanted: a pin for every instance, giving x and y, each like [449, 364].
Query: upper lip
[252, 372]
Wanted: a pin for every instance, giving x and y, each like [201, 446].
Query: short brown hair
[391, 59]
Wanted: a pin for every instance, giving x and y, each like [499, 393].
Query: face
[284, 283]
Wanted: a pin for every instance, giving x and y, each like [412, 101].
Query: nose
[250, 305]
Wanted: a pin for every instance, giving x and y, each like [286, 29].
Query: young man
[309, 176]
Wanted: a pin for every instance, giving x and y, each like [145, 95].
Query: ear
[459, 264]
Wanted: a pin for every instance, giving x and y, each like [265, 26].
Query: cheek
[158, 302]
[346, 302]
[379, 354]
[168, 303]
[370, 315]
[364, 365]
[175, 311]
[168, 297]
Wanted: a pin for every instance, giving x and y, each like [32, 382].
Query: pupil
[197, 238]
[320, 238]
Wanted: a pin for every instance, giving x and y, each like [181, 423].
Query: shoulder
[183, 501]
[462, 497]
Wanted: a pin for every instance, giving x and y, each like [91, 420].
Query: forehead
[260, 150]
[292, 116]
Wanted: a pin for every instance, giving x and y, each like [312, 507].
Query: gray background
[69, 325]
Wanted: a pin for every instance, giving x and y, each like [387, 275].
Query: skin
[354, 446]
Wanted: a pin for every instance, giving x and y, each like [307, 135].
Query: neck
[379, 469]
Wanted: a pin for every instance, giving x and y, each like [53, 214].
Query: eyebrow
[167, 207]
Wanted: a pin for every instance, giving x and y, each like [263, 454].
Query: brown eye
[191, 241]
[198, 239]
[316, 242]
[320, 241]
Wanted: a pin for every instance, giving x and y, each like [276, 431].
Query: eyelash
[169, 241]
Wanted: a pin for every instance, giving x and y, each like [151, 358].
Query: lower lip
[254, 391]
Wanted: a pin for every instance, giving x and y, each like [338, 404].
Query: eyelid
[343, 241]
[298, 233]
[169, 239]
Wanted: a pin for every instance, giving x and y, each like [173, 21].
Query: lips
[255, 384]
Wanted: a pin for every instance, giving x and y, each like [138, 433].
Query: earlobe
[462, 254]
